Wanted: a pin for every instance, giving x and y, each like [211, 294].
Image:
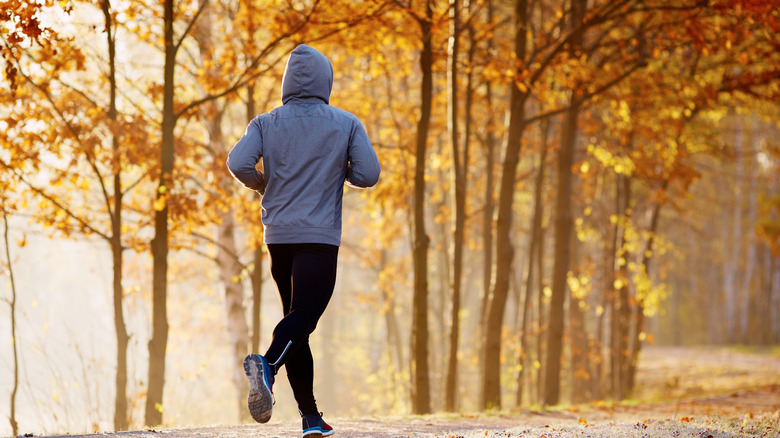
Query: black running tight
[305, 275]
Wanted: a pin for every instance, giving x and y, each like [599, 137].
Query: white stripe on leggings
[287, 347]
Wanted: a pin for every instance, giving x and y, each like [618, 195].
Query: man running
[309, 150]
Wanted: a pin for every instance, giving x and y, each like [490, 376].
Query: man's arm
[245, 155]
[364, 166]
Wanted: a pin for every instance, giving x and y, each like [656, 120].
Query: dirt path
[707, 387]
[763, 402]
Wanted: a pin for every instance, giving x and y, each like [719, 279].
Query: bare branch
[201, 8]
[599, 17]
[132, 185]
[232, 254]
[54, 201]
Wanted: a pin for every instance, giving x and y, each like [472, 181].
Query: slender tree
[490, 158]
[536, 226]
[159, 340]
[491, 385]
[421, 398]
[257, 255]
[117, 249]
[458, 175]
[14, 340]
[563, 224]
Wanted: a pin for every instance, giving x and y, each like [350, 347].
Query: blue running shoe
[261, 382]
[315, 427]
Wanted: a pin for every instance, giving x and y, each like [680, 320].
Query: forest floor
[684, 392]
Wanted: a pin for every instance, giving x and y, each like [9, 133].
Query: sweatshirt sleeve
[245, 155]
[364, 169]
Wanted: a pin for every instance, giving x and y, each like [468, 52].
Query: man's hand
[261, 181]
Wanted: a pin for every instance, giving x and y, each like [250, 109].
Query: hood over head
[308, 74]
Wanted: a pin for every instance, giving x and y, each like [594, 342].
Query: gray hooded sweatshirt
[309, 150]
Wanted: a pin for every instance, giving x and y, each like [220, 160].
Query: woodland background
[563, 182]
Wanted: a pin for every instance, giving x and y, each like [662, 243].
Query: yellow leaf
[582, 421]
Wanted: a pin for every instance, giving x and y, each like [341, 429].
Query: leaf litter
[708, 427]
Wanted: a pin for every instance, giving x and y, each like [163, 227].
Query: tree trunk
[257, 255]
[693, 290]
[421, 399]
[491, 362]
[159, 341]
[536, 226]
[578, 342]
[257, 296]
[562, 248]
[563, 227]
[612, 297]
[230, 273]
[620, 305]
[596, 370]
[14, 340]
[238, 331]
[487, 215]
[750, 264]
[459, 185]
[731, 265]
[770, 274]
[639, 315]
[391, 322]
[541, 347]
[122, 340]
[580, 353]
[440, 295]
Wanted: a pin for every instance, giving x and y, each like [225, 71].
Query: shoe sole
[318, 434]
[261, 399]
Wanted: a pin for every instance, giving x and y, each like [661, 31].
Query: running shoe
[261, 382]
[315, 427]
